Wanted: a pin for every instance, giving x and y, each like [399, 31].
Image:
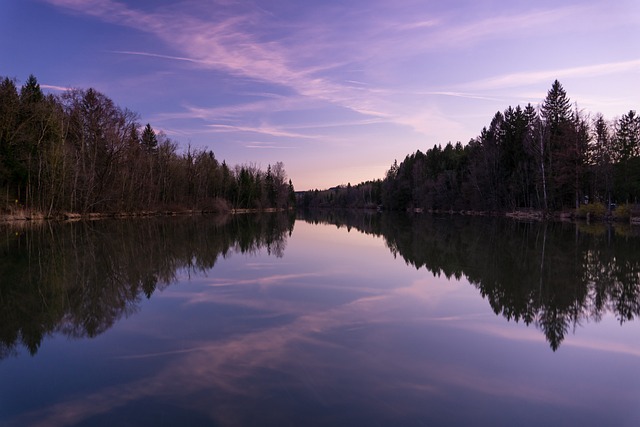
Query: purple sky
[334, 89]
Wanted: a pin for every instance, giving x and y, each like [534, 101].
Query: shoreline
[537, 215]
[25, 216]
[518, 215]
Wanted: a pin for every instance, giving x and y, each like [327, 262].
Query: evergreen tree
[513, 158]
[270, 192]
[30, 92]
[149, 139]
[579, 154]
[556, 108]
[628, 136]
[627, 171]
[9, 107]
[601, 156]
[292, 195]
[557, 116]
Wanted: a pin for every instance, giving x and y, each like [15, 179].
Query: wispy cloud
[535, 77]
[418, 25]
[267, 145]
[236, 44]
[505, 25]
[461, 95]
[446, 32]
[157, 55]
[261, 129]
[56, 88]
[326, 124]
[336, 58]
[272, 104]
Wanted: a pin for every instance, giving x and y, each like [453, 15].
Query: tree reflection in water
[552, 275]
[79, 278]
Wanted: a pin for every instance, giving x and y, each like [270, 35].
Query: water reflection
[336, 332]
[79, 278]
[552, 275]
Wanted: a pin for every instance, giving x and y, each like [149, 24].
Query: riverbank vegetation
[549, 159]
[79, 152]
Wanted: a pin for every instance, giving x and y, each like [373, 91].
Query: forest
[552, 158]
[79, 152]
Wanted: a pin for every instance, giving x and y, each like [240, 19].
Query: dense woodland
[551, 158]
[80, 152]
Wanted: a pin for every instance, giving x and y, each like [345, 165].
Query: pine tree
[556, 108]
[628, 136]
[627, 142]
[601, 159]
[30, 91]
[558, 145]
[149, 140]
[9, 105]
[292, 195]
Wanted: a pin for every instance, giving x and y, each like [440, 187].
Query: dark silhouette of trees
[148, 139]
[627, 147]
[366, 195]
[80, 152]
[549, 159]
[601, 156]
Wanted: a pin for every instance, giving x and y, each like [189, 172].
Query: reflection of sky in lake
[336, 332]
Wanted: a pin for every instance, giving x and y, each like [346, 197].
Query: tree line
[80, 152]
[551, 158]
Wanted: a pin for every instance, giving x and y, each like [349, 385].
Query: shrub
[591, 211]
[622, 212]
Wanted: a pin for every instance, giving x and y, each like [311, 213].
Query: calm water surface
[372, 320]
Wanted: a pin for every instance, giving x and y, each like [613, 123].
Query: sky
[336, 90]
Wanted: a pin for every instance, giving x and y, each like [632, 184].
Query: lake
[326, 319]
